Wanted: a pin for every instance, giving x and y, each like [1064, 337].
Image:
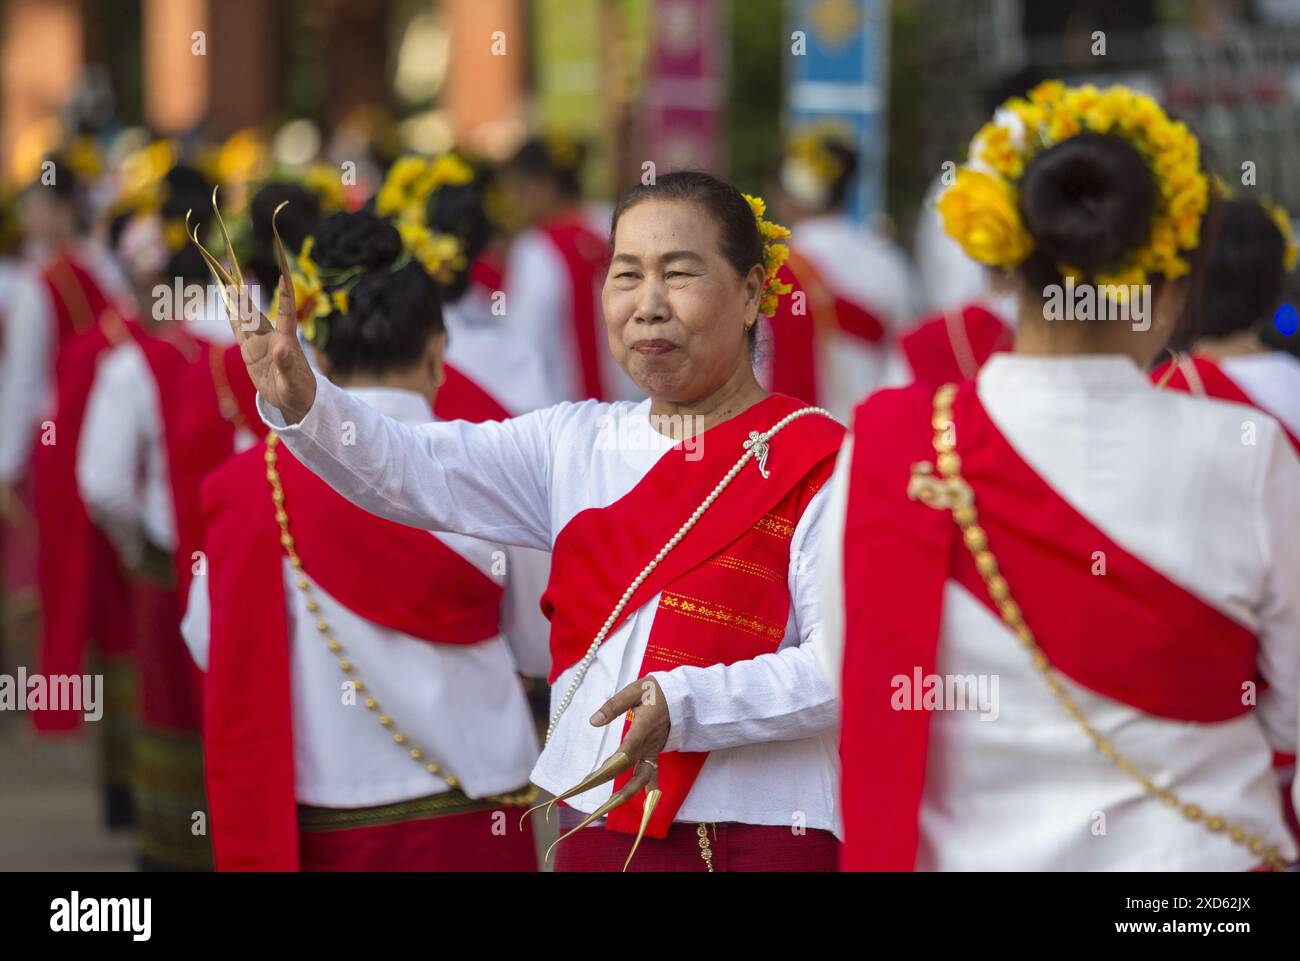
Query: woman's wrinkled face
[675, 310]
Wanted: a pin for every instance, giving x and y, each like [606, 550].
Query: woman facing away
[1244, 284]
[406, 729]
[1055, 595]
[682, 663]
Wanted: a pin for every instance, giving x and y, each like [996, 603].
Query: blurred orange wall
[41, 57]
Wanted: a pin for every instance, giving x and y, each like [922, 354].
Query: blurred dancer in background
[852, 288]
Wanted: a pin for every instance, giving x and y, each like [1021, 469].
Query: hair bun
[387, 315]
[1088, 201]
[347, 240]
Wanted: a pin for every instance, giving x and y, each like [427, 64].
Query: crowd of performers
[674, 524]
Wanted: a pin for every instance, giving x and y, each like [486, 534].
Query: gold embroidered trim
[776, 526]
[676, 657]
[748, 567]
[719, 614]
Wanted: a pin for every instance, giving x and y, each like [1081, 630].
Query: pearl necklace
[756, 446]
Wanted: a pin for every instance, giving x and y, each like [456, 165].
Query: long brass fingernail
[612, 768]
[651, 802]
[230, 248]
[613, 802]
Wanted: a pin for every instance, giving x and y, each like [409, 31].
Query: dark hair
[459, 211]
[66, 183]
[536, 159]
[391, 313]
[1244, 273]
[1017, 83]
[848, 160]
[1087, 202]
[65, 189]
[296, 222]
[741, 243]
[185, 188]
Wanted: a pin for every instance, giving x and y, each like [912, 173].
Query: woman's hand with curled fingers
[643, 700]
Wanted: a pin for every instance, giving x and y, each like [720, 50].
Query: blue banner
[838, 74]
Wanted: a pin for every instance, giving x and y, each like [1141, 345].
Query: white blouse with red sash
[858, 292]
[766, 721]
[541, 310]
[463, 702]
[1271, 380]
[121, 459]
[1167, 481]
[31, 340]
[27, 341]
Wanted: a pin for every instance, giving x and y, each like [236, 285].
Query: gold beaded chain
[522, 797]
[954, 494]
[706, 852]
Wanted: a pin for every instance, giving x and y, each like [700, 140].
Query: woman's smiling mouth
[653, 347]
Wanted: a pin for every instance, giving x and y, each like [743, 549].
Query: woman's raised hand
[275, 360]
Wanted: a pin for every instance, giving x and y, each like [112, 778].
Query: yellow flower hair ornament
[413, 178]
[775, 254]
[811, 167]
[319, 293]
[1283, 221]
[313, 302]
[440, 255]
[981, 208]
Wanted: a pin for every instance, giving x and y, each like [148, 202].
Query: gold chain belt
[954, 494]
[521, 798]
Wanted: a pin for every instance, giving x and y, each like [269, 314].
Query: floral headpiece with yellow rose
[775, 254]
[981, 209]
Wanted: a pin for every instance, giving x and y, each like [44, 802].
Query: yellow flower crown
[1283, 221]
[809, 149]
[775, 255]
[325, 184]
[1280, 218]
[319, 293]
[563, 150]
[411, 179]
[981, 209]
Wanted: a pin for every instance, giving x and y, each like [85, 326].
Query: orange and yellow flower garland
[980, 210]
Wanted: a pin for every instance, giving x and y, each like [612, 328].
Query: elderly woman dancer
[683, 608]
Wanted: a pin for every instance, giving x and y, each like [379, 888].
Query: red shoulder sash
[80, 579]
[795, 337]
[584, 256]
[724, 587]
[1204, 378]
[953, 347]
[461, 398]
[395, 576]
[1133, 636]
[213, 396]
[77, 297]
